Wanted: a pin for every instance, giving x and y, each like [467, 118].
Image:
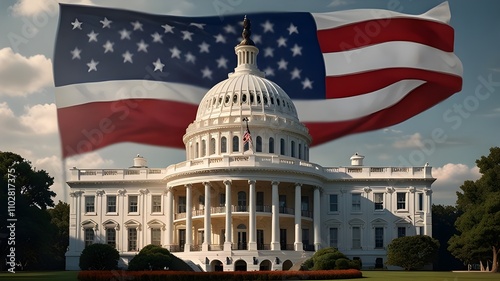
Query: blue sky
[467, 123]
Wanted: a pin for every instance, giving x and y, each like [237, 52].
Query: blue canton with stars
[100, 44]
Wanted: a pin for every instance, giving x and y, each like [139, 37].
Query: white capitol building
[248, 206]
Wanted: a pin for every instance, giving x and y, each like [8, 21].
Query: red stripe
[420, 99]
[88, 127]
[371, 32]
[370, 81]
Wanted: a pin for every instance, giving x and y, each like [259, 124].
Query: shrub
[341, 263]
[99, 257]
[326, 259]
[151, 257]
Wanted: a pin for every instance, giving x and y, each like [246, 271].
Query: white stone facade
[260, 205]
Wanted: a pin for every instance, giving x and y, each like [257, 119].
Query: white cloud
[409, 141]
[449, 178]
[35, 7]
[41, 118]
[21, 75]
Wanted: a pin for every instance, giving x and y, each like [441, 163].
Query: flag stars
[186, 35]
[282, 64]
[269, 71]
[106, 23]
[207, 73]
[229, 29]
[176, 53]
[92, 65]
[296, 50]
[204, 47]
[75, 53]
[137, 25]
[281, 41]
[142, 46]
[257, 39]
[199, 25]
[295, 73]
[124, 34]
[307, 84]
[219, 38]
[92, 36]
[158, 65]
[268, 26]
[222, 62]
[77, 24]
[168, 28]
[108, 47]
[127, 57]
[268, 52]
[190, 57]
[157, 37]
[292, 29]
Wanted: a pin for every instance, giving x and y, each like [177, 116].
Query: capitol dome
[246, 100]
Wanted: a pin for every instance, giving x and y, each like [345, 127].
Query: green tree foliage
[329, 258]
[479, 224]
[32, 197]
[99, 257]
[59, 219]
[412, 252]
[443, 228]
[151, 257]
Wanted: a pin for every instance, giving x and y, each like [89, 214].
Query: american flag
[125, 76]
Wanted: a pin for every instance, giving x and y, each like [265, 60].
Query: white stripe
[78, 94]
[440, 13]
[332, 110]
[392, 54]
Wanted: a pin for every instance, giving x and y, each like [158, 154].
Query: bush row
[217, 276]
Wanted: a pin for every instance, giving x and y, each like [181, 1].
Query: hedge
[219, 276]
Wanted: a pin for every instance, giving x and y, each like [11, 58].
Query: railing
[287, 247]
[308, 247]
[288, 211]
[307, 214]
[236, 208]
[195, 248]
[215, 247]
[263, 209]
[176, 248]
[263, 247]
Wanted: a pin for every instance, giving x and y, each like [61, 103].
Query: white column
[252, 218]
[316, 219]
[428, 212]
[169, 219]
[229, 233]
[99, 235]
[298, 218]
[189, 221]
[275, 219]
[207, 221]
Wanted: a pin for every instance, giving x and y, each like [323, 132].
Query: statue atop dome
[246, 33]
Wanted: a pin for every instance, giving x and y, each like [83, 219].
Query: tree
[99, 257]
[479, 224]
[28, 189]
[443, 228]
[60, 240]
[412, 252]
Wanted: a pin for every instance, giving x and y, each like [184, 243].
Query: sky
[450, 136]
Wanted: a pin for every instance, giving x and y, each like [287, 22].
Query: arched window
[292, 149]
[282, 146]
[212, 146]
[236, 144]
[246, 146]
[223, 145]
[271, 145]
[203, 148]
[259, 144]
[242, 201]
[300, 151]
[196, 150]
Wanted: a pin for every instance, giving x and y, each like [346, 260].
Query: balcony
[241, 209]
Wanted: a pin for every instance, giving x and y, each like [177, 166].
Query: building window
[378, 199]
[356, 202]
[132, 203]
[334, 237]
[401, 231]
[304, 203]
[156, 203]
[89, 236]
[305, 237]
[242, 201]
[259, 144]
[181, 206]
[246, 146]
[271, 145]
[111, 203]
[111, 237]
[334, 203]
[132, 239]
[356, 237]
[282, 146]
[282, 203]
[420, 201]
[236, 144]
[379, 237]
[223, 145]
[197, 150]
[222, 199]
[203, 148]
[401, 200]
[300, 151]
[156, 236]
[89, 204]
[420, 230]
[212, 146]
[292, 149]
[260, 201]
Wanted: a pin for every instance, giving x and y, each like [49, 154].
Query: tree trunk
[494, 265]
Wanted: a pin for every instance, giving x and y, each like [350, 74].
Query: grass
[367, 276]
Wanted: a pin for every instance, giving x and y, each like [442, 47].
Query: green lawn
[368, 276]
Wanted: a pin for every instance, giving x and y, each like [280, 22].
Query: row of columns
[252, 241]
